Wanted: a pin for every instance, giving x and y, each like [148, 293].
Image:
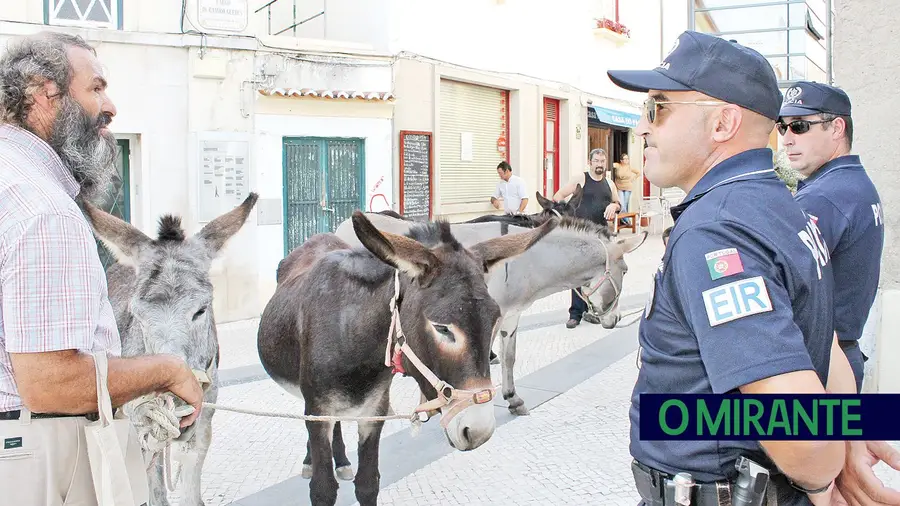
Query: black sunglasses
[799, 126]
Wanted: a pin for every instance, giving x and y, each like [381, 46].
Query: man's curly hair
[29, 62]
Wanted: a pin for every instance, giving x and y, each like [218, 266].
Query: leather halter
[586, 297]
[450, 401]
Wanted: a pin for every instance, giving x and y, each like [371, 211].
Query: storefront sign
[613, 117]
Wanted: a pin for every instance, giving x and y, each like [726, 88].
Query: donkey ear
[217, 232]
[632, 242]
[575, 200]
[543, 201]
[401, 252]
[122, 239]
[496, 250]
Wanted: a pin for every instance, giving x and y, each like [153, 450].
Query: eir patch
[724, 262]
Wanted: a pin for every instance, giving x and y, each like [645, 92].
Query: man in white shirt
[511, 189]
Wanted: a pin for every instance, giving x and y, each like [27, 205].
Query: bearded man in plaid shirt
[55, 147]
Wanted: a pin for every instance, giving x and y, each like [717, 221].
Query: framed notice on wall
[225, 15]
[223, 173]
[416, 175]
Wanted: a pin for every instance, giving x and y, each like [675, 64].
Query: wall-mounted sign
[224, 174]
[225, 15]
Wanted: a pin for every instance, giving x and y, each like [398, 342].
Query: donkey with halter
[577, 254]
[342, 321]
[162, 297]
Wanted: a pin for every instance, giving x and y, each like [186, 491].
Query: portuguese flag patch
[724, 262]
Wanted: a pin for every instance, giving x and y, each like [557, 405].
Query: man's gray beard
[89, 155]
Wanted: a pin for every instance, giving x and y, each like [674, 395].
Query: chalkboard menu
[415, 175]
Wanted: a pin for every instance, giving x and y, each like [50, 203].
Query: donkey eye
[199, 313]
[443, 330]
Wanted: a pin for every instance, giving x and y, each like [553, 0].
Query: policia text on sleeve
[816, 127]
[739, 302]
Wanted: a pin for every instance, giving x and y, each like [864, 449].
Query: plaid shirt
[53, 293]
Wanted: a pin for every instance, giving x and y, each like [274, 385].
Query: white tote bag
[114, 453]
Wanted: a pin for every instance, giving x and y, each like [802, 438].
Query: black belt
[656, 488]
[14, 415]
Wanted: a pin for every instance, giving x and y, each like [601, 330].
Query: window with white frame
[86, 13]
[607, 9]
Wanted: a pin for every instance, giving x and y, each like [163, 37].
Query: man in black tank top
[599, 203]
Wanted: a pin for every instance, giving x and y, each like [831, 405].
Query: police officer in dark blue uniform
[739, 303]
[817, 129]
[838, 194]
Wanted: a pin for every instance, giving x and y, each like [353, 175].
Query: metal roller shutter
[482, 112]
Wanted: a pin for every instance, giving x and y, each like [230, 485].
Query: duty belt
[657, 488]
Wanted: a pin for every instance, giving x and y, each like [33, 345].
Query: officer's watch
[810, 491]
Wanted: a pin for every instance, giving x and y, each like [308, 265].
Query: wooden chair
[634, 222]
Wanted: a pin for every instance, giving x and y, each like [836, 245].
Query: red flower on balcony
[613, 26]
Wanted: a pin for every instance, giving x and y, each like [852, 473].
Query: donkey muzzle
[468, 419]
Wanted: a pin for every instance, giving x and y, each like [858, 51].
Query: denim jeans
[624, 199]
[577, 308]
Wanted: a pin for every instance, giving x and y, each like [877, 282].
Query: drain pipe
[661, 31]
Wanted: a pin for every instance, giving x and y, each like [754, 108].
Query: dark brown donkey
[327, 335]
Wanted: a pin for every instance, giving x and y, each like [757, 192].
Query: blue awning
[613, 117]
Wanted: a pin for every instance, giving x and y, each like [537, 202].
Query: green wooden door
[323, 185]
[116, 201]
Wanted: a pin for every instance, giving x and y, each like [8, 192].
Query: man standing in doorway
[511, 189]
[599, 203]
[624, 176]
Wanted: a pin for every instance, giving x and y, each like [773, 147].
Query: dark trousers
[857, 360]
[578, 307]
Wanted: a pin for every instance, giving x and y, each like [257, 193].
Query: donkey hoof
[306, 473]
[517, 406]
[345, 473]
[591, 318]
[519, 410]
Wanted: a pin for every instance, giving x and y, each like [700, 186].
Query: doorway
[323, 185]
[551, 146]
[116, 201]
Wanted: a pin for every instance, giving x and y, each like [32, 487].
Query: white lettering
[735, 300]
[879, 214]
[812, 238]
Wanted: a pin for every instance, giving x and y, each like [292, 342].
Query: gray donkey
[162, 297]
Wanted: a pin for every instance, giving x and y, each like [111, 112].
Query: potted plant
[612, 29]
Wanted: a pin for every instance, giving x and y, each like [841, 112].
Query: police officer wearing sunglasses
[739, 304]
[837, 193]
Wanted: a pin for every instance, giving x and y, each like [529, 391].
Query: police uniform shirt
[738, 298]
[843, 202]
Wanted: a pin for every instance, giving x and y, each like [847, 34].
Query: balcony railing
[292, 5]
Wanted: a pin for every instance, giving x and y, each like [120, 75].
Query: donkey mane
[584, 226]
[170, 229]
[434, 233]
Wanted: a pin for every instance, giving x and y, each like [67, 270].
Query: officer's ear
[631, 242]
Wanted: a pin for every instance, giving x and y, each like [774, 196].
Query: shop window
[84, 13]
